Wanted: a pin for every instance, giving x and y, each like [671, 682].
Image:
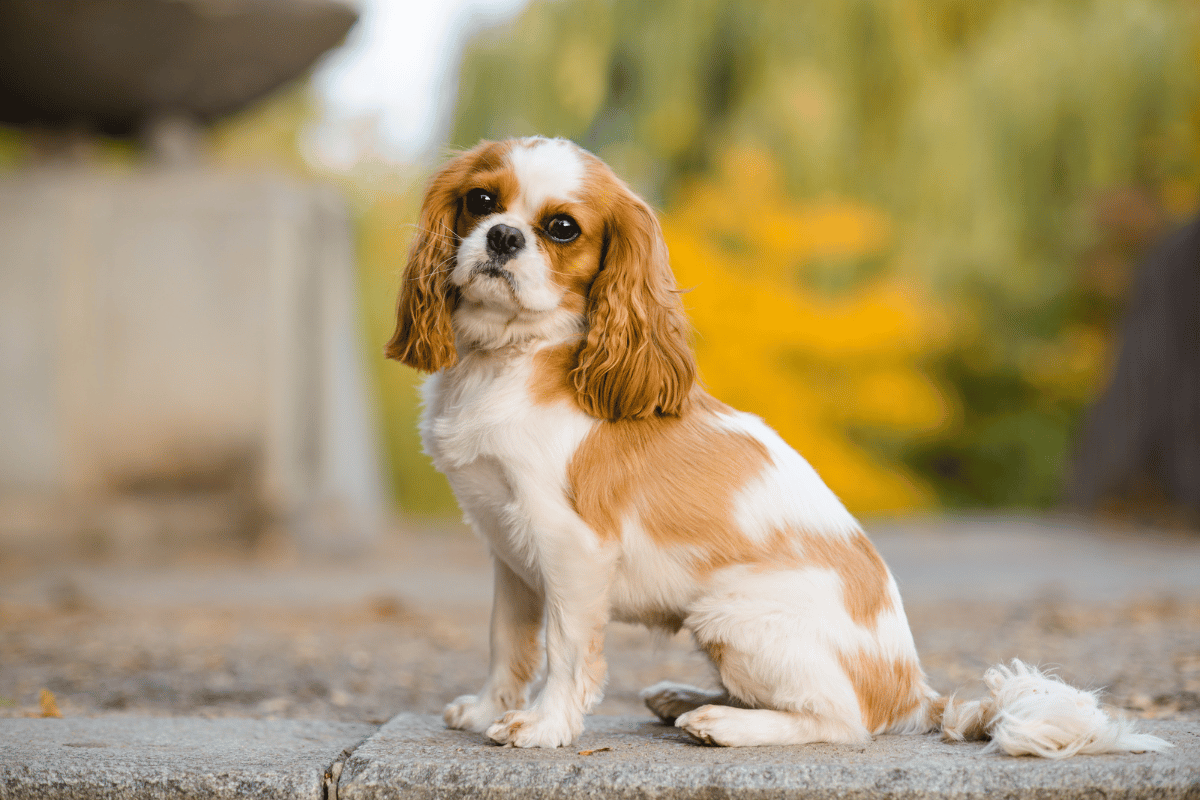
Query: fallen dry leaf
[597, 750]
[49, 704]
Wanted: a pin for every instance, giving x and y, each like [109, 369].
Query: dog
[564, 408]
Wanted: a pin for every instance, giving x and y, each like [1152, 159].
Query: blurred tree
[12, 148]
[831, 369]
[1024, 153]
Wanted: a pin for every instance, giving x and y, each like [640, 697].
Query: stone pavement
[75, 759]
[413, 756]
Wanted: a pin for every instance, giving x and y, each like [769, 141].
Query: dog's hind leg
[748, 727]
[798, 698]
[775, 641]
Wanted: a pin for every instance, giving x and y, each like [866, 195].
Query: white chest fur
[505, 456]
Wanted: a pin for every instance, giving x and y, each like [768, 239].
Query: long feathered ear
[636, 361]
[424, 338]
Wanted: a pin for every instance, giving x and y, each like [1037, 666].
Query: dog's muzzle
[492, 269]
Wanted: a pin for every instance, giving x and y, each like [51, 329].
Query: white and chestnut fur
[565, 411]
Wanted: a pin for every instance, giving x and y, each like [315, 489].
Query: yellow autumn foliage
[818, 369]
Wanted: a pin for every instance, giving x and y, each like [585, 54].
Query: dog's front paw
[470, 713]
[532, 729]
[710, 725]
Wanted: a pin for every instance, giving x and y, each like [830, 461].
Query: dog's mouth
[492, 269]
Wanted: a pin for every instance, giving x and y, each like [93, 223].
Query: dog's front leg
[576, 597]
[516, 654]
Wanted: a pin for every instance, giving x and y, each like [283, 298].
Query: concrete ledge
[128, 757]
[414, 757]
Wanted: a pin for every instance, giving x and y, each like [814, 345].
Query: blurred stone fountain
[179, 347]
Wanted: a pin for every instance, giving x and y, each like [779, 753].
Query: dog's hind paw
[670, 700]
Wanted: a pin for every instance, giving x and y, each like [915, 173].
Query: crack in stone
[334, 772]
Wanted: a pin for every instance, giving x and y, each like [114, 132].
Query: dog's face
[536, 240]
[530, 232]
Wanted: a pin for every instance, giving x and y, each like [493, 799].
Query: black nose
[504, 241]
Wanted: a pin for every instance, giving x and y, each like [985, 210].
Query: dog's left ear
[636, 361]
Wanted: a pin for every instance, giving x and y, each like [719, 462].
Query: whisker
[452, 238]
[440, 237]
[443, 266]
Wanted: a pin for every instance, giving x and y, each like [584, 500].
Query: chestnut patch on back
[678, 474]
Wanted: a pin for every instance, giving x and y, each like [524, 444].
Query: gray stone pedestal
[181, 358]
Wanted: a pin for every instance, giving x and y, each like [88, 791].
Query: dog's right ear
[424, 338]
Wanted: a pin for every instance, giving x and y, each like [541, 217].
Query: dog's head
[537, 239]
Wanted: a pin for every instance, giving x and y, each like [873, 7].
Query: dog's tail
[1029, 712]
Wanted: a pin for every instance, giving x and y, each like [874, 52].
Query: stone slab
[128, 757]
[414, 757]
[112, 440]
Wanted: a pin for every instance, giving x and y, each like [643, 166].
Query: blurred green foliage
[1024, 151]
[928, 210]
[386, 212]
[12, 148]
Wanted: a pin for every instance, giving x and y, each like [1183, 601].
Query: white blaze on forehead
[547, 169]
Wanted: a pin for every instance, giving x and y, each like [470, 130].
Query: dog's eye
[480, 202]
[562, 229]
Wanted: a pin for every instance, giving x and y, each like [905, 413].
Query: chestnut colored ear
[636, 361]
[424, 338]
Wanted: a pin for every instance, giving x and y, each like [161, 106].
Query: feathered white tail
[1032, 713]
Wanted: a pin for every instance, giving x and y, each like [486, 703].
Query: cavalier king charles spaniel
[564, 408]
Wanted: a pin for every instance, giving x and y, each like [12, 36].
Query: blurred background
[910, 230]
[946, 248]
